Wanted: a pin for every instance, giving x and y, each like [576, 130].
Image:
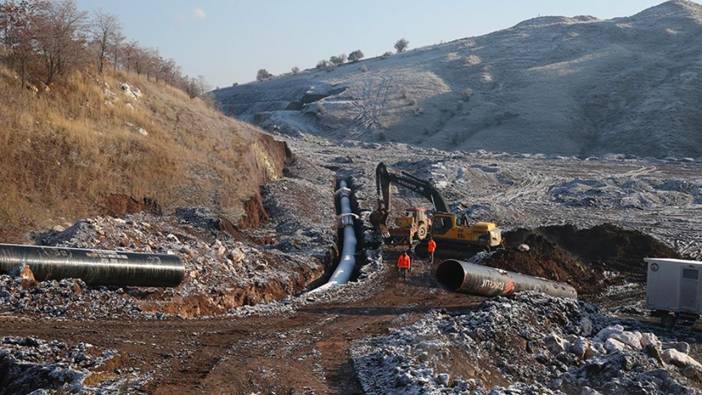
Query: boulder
[607, 332]
[649, 339]
[589, 391]
[27, 277]
[236, 255]
[614, 345]
[579, 347]
[683, 347]
[555, 344]
[632, 339]
[443, 379]
[679, 359]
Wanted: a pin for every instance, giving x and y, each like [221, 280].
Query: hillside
[575, 86]
[121, 143]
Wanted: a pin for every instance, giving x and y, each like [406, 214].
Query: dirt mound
[579, 257]
[548, 260]
[612, 247]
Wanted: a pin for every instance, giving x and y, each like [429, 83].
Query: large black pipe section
[488, 281]
[347, 261]
[93, 266]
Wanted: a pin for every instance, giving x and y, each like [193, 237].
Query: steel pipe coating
[95, 267]
[347, 262]
[488, 281]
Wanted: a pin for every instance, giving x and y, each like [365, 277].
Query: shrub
[263, 74]
[401, 45]
[323, 64]
[387, 54]
[356, 55]
[295, 70]
[338, 60]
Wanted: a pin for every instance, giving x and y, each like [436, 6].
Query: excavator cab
[447, 229]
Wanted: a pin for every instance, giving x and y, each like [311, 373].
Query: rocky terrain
[255, 223]
[242, 321]
[554, 85]
[529, 343]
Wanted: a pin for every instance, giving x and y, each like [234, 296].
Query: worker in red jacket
[431, 247]
[404, 264]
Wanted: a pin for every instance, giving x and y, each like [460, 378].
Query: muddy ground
[301, 345]
[304, 352]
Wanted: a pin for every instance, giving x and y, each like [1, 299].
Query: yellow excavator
[446, 228]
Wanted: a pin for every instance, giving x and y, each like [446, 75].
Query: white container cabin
[673, 288]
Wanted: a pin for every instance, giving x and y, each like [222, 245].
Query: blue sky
[229, 40]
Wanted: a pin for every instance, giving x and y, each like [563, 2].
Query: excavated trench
[580, 257]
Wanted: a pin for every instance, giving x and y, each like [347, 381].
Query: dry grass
[63, 151]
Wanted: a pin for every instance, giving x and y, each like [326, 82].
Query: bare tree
[60, 37]
[128, 51]
[263, 74]
[116, 49]
[16, 31]
[356, 55]
[105, 31]
[401, 45]
[46, 39]
[195, 87]
[202, 85]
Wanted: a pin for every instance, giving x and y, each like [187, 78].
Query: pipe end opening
[450, 274]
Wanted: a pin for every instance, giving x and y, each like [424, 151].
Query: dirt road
[306, 351]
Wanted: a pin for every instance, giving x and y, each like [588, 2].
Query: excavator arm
[383, 179]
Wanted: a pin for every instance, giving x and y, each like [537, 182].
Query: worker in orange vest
[404, 264]
[431, 247]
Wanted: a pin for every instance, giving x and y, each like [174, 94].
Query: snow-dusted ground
[659, 197]
[31, 365]
[513, 190]
[548, 85]
[528, 343]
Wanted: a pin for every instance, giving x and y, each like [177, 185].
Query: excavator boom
[383, 179]
[447, 228]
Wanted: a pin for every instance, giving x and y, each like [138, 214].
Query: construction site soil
[580, 257]
[289, 341]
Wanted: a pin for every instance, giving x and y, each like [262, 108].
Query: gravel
[531, 343]
[221, 273]
[32, 365]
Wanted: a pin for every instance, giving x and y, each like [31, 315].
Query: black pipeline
[488, 281]
[93, 266]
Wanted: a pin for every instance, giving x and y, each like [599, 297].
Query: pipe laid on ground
[488, 281]
[347, 262]
[95, 267]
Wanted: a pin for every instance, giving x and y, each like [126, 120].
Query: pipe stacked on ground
[488, 281]
[95, 267]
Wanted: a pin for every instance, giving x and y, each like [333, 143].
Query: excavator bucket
[379, 218]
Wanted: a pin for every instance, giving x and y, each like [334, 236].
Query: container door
[688, 289]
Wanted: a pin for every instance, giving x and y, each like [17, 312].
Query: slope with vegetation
[101, 127]
[66, 153]
[574, 86]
